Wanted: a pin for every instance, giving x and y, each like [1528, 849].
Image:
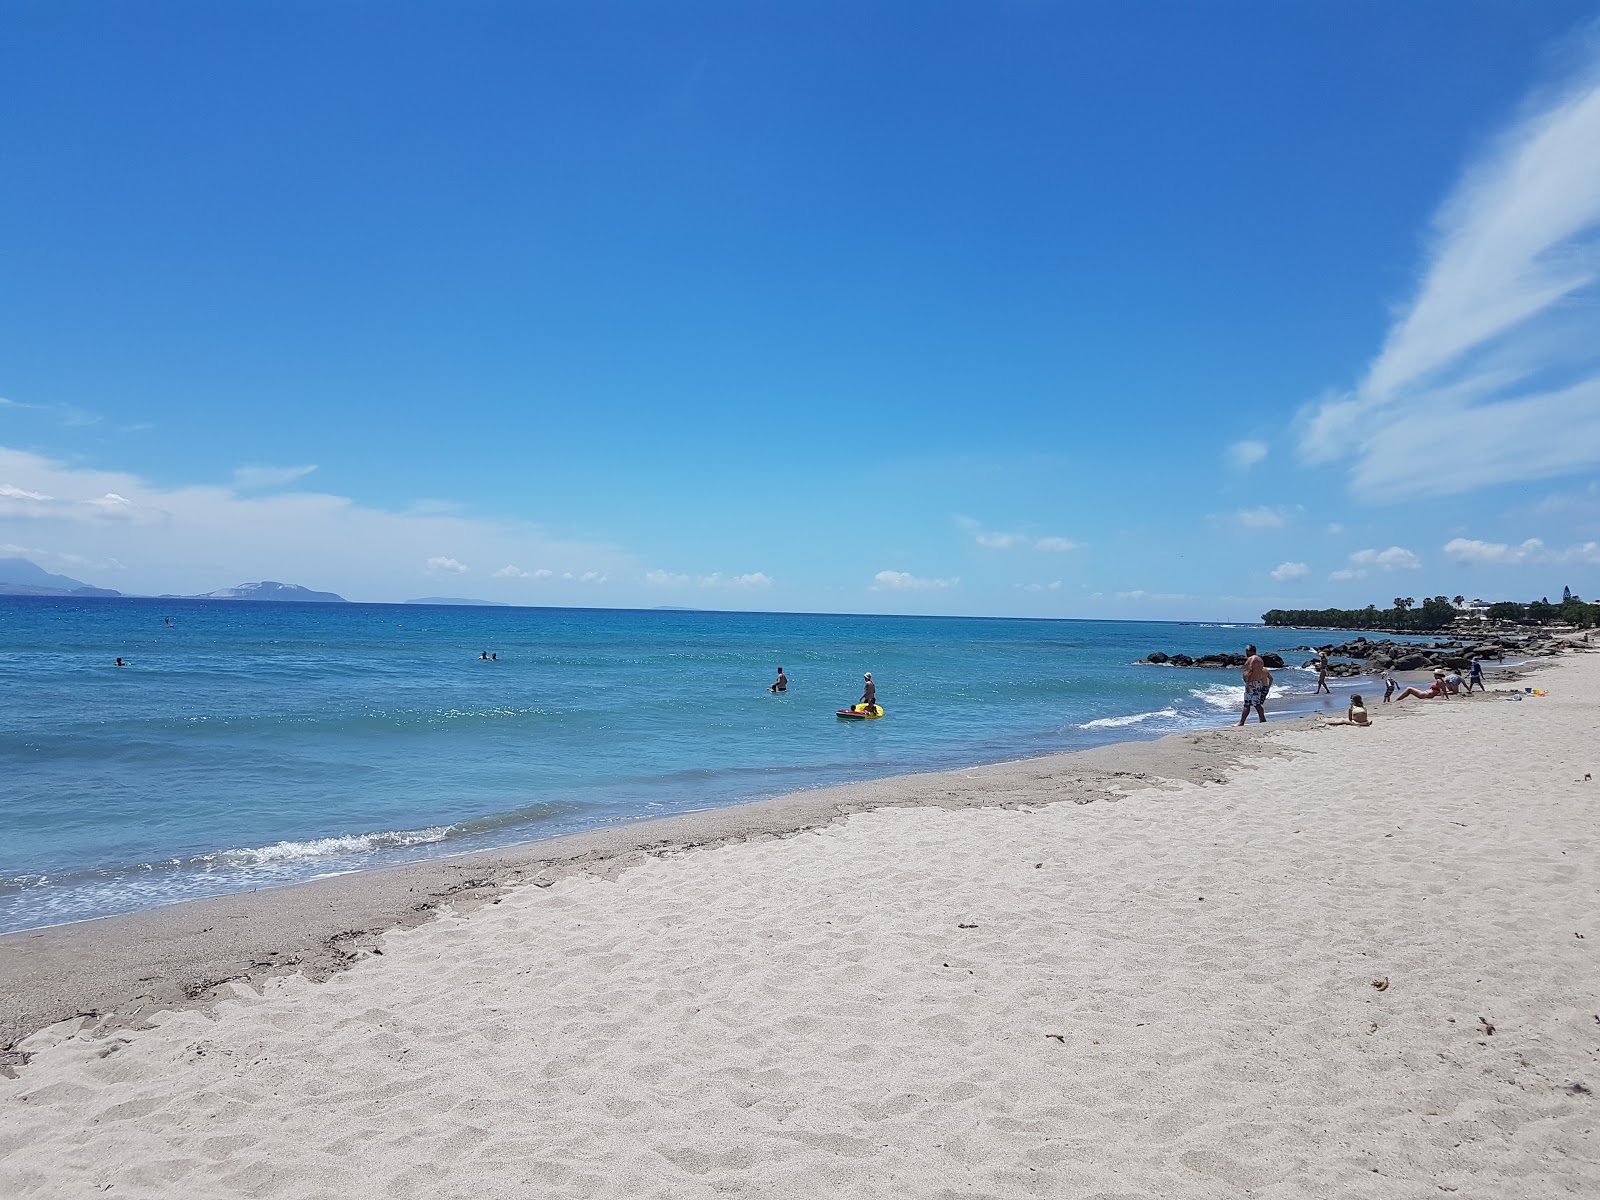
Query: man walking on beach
[1257, 683]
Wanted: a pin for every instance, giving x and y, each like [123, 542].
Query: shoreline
[1295, 960]
[110, 970]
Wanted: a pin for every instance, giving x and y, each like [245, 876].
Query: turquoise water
[252, 744]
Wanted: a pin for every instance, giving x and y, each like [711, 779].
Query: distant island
[268, 589]
[458, 600]
[19, 577]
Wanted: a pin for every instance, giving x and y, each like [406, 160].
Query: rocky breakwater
[1362, 656]
[1158, 659]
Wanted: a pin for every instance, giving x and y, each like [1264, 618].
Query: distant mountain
[457, 600]
[266, 589]
[19, 577]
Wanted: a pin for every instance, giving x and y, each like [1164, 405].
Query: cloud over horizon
[1492, 373]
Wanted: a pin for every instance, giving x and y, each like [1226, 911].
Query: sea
[255, 744]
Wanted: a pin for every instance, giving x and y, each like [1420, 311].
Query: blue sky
[1153, 310]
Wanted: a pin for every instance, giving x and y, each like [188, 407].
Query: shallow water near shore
[254, 744]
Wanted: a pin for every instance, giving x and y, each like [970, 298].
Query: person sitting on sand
[1322, 676]
[1388, 687]
[869, 692]
[1438, 689]
[782, 683]
[1356, 714]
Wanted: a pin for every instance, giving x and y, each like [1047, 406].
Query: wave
[1131, 719]
[281, 852]
[1219, 695]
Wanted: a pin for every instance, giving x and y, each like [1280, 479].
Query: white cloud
[1347, 573]
[250, 478]
[191, 538]
[445, 566]
[1246, 454]
[678, 579]
[887, 581]
[1534, 551]
[10, 492]
[1492, 373]
[996, 540]
[1395, 558]
[1141, 594]
[1054, 586]
[1262, 518]
[510, 572]
[584, 576]
[1002, 541]
[1284, 572]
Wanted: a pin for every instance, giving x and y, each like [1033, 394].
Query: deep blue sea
[253, 744]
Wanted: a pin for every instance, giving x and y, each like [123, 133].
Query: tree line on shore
[1440, 612]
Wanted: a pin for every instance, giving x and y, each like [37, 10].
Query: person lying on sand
[1356, 714]
[1438, 689]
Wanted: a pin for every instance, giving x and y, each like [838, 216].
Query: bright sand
[1170, 994]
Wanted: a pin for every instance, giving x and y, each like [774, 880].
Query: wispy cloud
[445, 566]
[680, 579]
[997, 540]
[1284, 572]
[513, 572]
[1053, 586]
[904, 581]
[1497, 350]
[1345, 574]
[1263, 517]
[1246, 454]
[253, 478]
[1531, 552]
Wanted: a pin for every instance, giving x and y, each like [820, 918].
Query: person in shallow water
[781, 684]
[869, 691]
[1257, 683]
[119, 663]
[484, 657]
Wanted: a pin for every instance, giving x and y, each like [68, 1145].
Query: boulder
[1414, 661]
[1157, 657]
[1273, 661]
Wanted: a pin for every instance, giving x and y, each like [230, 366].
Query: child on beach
[1356, 714]
[1388, 687]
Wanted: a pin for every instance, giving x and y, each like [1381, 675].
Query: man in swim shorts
[869, 691]
[782, 684]
[1257, 683]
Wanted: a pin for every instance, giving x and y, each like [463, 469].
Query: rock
[1157, 657]
[1181, 660]
[1414, 661]
[1274, 662]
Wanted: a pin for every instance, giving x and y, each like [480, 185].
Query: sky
[1144, 311]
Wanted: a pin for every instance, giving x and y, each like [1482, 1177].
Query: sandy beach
[1286, 962]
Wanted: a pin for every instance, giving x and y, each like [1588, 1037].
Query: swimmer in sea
[782, 683]
[484, 657]
[119, 663]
